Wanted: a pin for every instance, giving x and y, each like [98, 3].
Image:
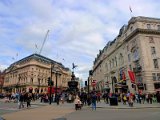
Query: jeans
[93, 105]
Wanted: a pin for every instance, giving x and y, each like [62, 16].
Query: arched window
[135, 55]
[31, 80]
[116, 61]
[121, 61]
[113, 63]
[106, 66]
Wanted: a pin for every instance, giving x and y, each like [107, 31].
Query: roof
[38, 56]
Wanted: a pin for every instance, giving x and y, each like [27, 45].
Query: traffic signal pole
[50, 98]
[88, 87]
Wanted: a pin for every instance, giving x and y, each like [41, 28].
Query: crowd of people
[83, 98]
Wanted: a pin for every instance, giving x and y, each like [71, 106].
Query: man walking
[93, 100]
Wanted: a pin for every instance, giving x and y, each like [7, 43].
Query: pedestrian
[93, 100]
[21, 100]
[57, 98]
[78, 103]
[28, 100]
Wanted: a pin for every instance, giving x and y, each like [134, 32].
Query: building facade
[1, 80]
[32, 73]
[131, 62]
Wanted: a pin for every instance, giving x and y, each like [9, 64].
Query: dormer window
[131, 28]
[148, 26]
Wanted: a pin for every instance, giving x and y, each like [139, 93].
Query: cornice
[128, 38]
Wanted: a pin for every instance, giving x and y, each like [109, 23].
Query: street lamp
[90, 76]
[57, 73]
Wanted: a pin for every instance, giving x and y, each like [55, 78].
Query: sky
[78, 29]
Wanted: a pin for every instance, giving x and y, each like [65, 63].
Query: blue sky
[78, 28]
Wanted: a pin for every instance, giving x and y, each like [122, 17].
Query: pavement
[47, 112]
[57, 112]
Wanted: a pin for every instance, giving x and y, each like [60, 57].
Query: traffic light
[85, 83]
[52, 83]
[49, 81]
[90, 72]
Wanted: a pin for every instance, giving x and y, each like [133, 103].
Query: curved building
[131, 62]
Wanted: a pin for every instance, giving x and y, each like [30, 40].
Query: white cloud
[78, 29]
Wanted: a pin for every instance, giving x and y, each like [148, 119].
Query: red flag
[132, 76]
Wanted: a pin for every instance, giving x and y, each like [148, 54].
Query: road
[66, 111]
[11, 107]
[115, 114]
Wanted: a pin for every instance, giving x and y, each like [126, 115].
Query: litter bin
[113, 101]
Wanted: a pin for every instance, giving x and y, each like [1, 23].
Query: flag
[132, 76]
[130, 8]
[36, 46]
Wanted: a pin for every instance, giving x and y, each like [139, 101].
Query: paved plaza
[66, 111]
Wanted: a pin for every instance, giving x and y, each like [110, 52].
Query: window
[158, 27]
[148, 26]
[139, 79]
[129, 58]
[127, 48]
[158, 76]
[155, 62]
[131, 28]
[130, 67]
[31, 80]
[121, 61]
[151, 40]
[106, 66]
[135, 55]
[154, 76]
[145, 87]
[116, 61]
[157, 85]
[112, 62]
[153, 50]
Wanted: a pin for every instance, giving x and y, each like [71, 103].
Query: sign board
[94, 82]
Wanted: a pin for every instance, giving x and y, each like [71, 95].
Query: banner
[132, 76]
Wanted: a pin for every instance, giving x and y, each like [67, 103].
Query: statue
[73, 84]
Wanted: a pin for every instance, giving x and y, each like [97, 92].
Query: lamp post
[88, 86]
[38, 86]
[90, 77]
[57, 73]
[50, 84]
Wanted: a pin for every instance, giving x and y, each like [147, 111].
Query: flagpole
[131, 12]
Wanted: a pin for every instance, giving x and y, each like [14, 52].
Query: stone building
[1, 80]
[135, 50]
[31, 74]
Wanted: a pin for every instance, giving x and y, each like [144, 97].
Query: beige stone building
[1, 80]
[137, 49]
[32, 73]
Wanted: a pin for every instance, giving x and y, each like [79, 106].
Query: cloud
[78, 29]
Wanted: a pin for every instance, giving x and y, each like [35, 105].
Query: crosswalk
[16, 108]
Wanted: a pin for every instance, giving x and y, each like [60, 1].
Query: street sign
[94, 82]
